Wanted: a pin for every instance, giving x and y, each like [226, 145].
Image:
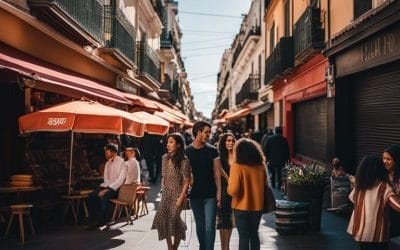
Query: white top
[133, 171]
[114, 173]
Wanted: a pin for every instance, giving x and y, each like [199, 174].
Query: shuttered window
[376, 111]
[311, 129]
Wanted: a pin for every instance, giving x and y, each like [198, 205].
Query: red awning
[50, 77]
[172, 111]
[142, 102]
[241, 112]
[169, 117]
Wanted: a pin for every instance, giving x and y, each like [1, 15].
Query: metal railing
[308, 33]
[148, 61]
[281, 59]
[88, 13]
[248, 92]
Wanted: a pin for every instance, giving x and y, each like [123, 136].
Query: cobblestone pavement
[139, 236]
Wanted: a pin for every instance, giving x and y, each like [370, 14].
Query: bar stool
[21, 210]
[74, 202]
[141, 201]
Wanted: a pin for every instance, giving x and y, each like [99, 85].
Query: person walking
[391, 160]
[205, 194]
[277, 152]
[224, 214]
[372, 195]
[246, 186]
[176, 176]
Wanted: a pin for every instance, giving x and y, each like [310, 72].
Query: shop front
[301, 99]
[367, 107]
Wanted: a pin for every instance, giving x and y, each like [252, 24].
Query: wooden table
[19, 191]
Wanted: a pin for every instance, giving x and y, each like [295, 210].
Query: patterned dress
[224, 213]
[167, 220]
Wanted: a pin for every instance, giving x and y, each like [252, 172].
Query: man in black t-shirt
[205, 194]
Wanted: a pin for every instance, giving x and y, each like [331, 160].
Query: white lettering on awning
[56, 121]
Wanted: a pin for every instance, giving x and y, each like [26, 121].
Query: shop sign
[380, 49]
[56, 121]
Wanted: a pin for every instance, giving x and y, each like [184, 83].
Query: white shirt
[114, 173]
[133, 171]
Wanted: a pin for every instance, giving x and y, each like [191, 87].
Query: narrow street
[139, 236]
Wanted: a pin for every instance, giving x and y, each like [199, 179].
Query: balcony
[280, 60]
[248, 92]
[253, 33]
[80, 21]
[308, 35]
[169, 89]
[148, 64]
[120, 35]
[224, 105]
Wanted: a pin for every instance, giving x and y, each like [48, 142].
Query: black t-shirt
[201, 160]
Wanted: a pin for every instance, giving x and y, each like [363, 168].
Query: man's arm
[217, 178]
[121, 177]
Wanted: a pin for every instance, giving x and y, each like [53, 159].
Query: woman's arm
[183, 194]
[394, 203]
[234, 186]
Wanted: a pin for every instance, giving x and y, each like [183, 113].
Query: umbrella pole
[70, 162]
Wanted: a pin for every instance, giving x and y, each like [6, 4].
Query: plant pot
[311, 194]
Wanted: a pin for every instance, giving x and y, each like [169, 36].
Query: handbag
[269, 200]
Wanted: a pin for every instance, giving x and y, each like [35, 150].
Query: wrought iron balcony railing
[224, 105]
[119, 33]
[280, 60]
[248, 92]
[148, 61]
[255, 31]
[308, 34]
[81, 21]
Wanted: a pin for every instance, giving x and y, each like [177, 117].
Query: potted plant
[306, 183]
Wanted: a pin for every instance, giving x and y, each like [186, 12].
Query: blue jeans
[205, 211]
[99, 206]
[247, 223]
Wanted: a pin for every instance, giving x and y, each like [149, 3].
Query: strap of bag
[224, 174]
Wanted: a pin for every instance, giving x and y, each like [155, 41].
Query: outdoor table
[19, 191]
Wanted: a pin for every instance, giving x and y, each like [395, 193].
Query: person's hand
[102, 192]
[219, 201]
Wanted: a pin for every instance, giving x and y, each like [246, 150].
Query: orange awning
[142, 101]
[172, 111]
[169, 117]
[53, 78]
[154, 124]
[82, 116]
[237, 114]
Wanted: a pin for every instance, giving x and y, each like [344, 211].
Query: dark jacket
[277, 150]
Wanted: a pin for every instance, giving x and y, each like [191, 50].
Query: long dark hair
[179, 155]
[394, 152]
[248, 152]
[370, 171]
[223, 151]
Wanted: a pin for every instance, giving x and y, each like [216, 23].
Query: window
[287, 18]
[361, 6]
[272, 38]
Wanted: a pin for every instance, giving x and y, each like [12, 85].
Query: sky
[205, 37]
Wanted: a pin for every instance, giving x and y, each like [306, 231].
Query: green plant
[311, 174]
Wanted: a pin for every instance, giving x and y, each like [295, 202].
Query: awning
[259, 107]
[240, 113]
[172, 111]
[169, 117]
[53, 78]
[142, 102]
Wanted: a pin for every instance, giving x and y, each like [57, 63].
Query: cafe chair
[141, 200]
[74, 202]
[20, 211]
[126, 201]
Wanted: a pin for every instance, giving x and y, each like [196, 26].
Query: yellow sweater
[246, 186]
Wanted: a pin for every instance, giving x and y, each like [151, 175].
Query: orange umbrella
[81, 116]
[154, 124]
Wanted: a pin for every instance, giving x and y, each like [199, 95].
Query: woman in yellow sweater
[246, 186]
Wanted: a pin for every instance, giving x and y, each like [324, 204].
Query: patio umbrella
[154, 124]
[81, 116]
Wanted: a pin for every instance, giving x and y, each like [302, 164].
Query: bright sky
[205, 37]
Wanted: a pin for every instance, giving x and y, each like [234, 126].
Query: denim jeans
[247, 223]
[205, 211]
[99, 206]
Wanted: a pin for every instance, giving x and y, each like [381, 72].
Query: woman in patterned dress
[176, 176]
[225, 225]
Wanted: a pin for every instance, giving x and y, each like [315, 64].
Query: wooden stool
[141, 201]
[74, 202]
[20, 211]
